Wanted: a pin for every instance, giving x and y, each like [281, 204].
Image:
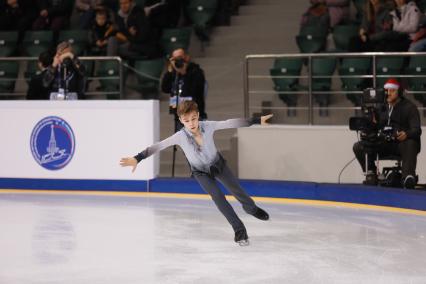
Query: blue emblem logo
[52, 143]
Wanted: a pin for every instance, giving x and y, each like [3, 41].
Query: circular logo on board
[52, 143]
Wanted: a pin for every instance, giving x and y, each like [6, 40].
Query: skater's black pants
[407, 150]
[223, 174]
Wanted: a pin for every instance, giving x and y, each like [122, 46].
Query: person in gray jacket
[207, 165]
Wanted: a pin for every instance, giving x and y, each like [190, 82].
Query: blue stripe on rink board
[74, 184]
[410, 199]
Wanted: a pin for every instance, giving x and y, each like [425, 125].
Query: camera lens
[179, 63]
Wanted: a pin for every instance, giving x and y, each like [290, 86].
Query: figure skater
[207, 164]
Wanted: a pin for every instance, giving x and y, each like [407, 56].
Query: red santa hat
[392, 84]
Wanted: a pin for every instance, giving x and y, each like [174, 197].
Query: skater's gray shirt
[199, 157]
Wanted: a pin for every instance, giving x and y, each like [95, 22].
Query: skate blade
[244, 243]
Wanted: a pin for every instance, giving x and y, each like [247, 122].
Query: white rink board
[104, 132]
[304, 153]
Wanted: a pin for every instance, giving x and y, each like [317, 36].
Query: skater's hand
[129, 162]
[265, 118]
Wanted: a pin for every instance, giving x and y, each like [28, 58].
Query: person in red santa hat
[402, 117]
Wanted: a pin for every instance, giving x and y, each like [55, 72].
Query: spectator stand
[109, 72]
[327, 88]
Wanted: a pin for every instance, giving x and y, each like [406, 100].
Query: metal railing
[119, 77]
[308, 59]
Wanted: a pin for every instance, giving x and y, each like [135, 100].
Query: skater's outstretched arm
[157, 147]
[241, 122]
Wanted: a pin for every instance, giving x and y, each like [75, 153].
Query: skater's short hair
[187, 107]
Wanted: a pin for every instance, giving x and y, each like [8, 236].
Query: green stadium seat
[109, 73]
[8, 41]
[342, 35]
[313, 30]
[201, 12]
[79, 39]
[287, 67]
[311, 39]
[36, 42]
[172, 39]
[388, 67]
[355, 67]
[89, 67]
[323, 67]
[8, 74]
[310, 44]
[148, 76]
[417, 67]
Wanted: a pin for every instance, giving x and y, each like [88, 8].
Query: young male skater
[207, 165]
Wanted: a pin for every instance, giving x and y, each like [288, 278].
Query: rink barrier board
[274, 200]
[342, 193]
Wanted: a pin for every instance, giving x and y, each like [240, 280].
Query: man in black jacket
[403, 117]
[135, 36]
[53, 15]
[186, 80]
[36, 89]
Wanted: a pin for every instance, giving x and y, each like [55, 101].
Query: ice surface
[103, 239]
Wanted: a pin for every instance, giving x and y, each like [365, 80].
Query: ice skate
[261, 214]
[241, 237]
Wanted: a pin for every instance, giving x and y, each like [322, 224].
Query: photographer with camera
[184, 80]
[398, 134]
[66, 75]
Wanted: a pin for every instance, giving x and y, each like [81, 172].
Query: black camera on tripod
[373, 102]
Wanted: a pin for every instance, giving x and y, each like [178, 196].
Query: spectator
[16, 15]
[65, 74]
[376, 32]
[316, 15]
[54, 15]
[36, 89]
[102, 31]
[406, 18]
[86, 9]
[134, 36]
[187, 76]
[163, 14]
[418, 42]
[111, 5]
[338, 11]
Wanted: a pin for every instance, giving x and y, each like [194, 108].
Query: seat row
[355, 74]
[105, 72]
[35, 42]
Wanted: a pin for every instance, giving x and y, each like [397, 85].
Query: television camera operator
[398, 130]
[66, 75]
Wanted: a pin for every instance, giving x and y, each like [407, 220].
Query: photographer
[184, 79]
[401, 118]
[66, 74]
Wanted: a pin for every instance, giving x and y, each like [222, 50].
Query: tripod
[63, 93]
[177, 91]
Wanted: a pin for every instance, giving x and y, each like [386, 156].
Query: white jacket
[410, 18]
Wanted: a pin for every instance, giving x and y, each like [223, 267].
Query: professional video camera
[373, 102]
